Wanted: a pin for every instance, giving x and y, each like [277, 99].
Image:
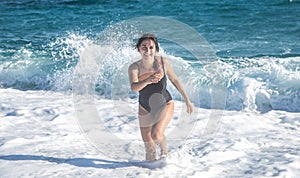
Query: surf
[259, 84]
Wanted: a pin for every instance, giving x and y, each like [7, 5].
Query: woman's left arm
[176, 82]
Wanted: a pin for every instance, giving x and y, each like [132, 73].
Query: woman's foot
[150, 152]
[163, 147]
[151, 156]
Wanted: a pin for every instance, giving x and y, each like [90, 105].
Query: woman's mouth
[148, 55]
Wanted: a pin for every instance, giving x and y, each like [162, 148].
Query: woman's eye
[145, 48]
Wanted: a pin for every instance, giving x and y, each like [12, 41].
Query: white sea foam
[258, 84]
[40, 138]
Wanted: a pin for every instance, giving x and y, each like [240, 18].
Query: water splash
[256, 84]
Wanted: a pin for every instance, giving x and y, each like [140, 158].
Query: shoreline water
[40, 137]
[254, 81]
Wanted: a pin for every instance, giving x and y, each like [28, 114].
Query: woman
[156, 107]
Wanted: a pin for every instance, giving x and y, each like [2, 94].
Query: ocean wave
[261, 83]
[46, 67]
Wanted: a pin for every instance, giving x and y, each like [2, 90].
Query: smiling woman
[148, 76]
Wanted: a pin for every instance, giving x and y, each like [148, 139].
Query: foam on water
[264, 83]
[260, 83]
[46, 67]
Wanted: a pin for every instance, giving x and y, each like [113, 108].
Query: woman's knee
[157, 135]
[146, 134]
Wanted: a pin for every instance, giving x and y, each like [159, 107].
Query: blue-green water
[257, 43]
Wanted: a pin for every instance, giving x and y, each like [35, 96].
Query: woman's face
[147, 49]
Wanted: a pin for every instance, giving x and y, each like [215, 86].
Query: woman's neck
[148, 63]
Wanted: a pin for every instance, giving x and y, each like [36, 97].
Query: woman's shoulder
[134, 65]
[161, 58]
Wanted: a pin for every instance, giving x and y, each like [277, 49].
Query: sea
[238, 60]
[255, 45]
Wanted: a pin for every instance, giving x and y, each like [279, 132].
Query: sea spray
[48, 67]
[260, 83]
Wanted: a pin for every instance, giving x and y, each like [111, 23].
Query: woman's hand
[155, 77]
[159, 74]
[189, 107]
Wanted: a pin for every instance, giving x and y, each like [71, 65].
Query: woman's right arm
[137, 85]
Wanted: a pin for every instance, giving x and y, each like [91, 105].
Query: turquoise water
[256, 42]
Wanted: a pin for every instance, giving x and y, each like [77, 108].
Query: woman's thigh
[165, 116]
[155, 125]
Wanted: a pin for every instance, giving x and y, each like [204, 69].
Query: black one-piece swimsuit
[152, 90]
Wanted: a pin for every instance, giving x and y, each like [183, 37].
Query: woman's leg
[146, 129]
[159, 128]
[149, 143]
